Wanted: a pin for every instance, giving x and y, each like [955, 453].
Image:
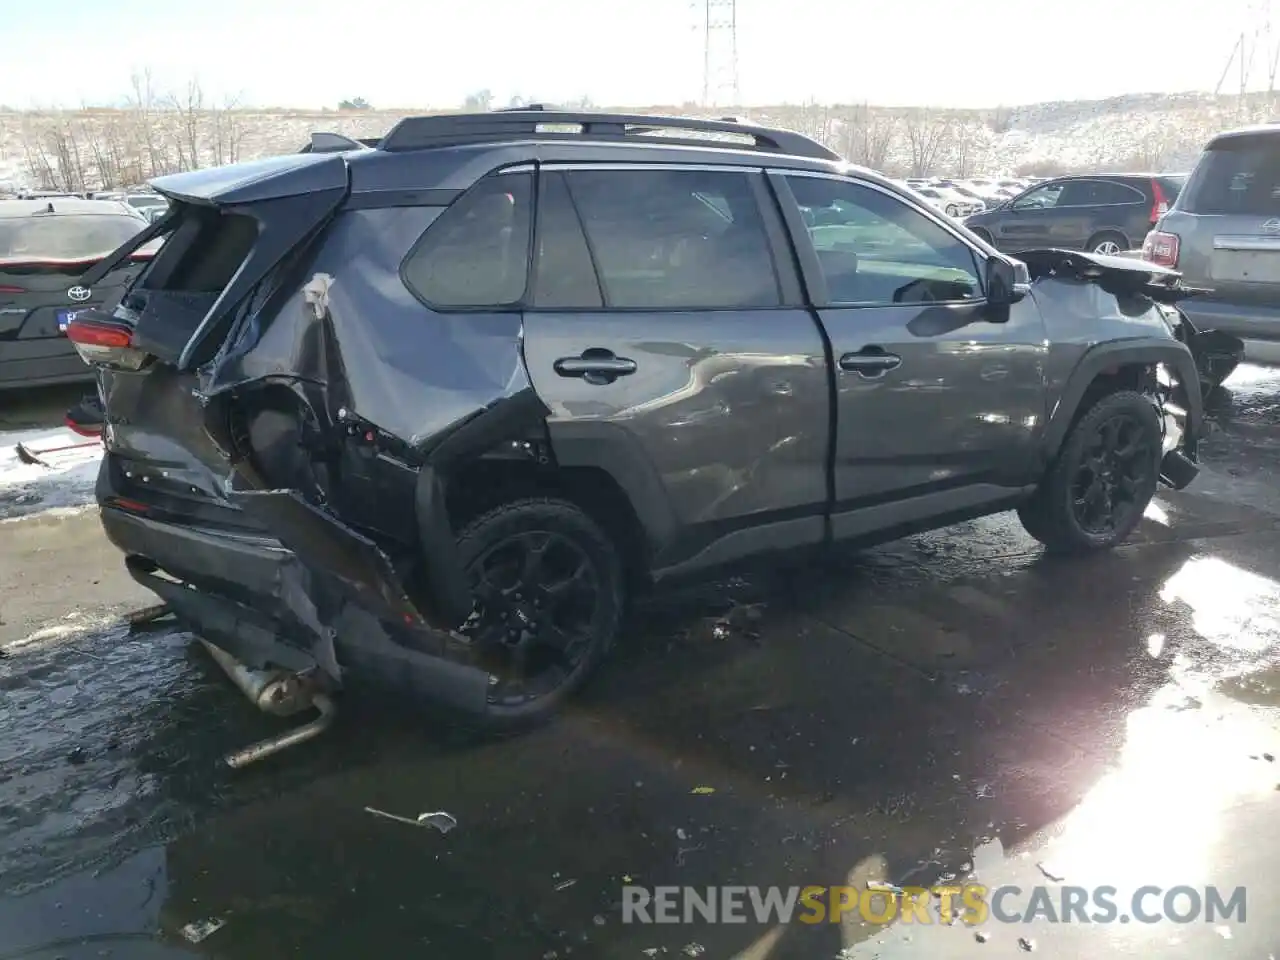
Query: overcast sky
[431, 53]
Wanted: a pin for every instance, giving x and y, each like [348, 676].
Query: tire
[952, 210]
[1053, 514]
[982, 235]
[1114, 243]
[566, 531]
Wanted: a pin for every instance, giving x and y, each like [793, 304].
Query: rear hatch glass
[64, 238]
[1239, 175]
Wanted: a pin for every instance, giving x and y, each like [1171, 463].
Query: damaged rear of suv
[421, 415]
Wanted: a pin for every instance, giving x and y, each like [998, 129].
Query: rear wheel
[952, 210]
[1108, 243]
[982, 235]
[1097, 490]
[549, 590]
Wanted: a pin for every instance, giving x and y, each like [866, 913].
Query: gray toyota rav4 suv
[425, 414]
[1223, 235]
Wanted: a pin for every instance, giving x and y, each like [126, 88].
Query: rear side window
[1240, 175]
[476, 253]
[1110, 191]
[676, 239]
[65, 236]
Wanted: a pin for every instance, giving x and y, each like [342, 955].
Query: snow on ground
[27, 489]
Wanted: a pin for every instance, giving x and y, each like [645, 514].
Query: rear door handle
[595, 366]
[870, 362]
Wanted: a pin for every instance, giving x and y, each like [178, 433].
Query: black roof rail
[324, 142]
[417, 133]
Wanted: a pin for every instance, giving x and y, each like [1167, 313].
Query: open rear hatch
[232, 234]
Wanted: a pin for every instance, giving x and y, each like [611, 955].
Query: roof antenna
[50, 205]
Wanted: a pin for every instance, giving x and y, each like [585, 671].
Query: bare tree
[869, 137]
[926, 136]
[964, 145]
[36, 158]
[228, 133]
[190, 110]
[144, 105]
[479, 102]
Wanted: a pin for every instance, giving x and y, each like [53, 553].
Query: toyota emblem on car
[79, 294]
[1271, 226]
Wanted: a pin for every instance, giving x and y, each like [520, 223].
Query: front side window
[476, 253]
[667, 239]
[1041, 198]
[874, 249]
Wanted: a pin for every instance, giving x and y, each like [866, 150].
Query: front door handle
[870, 362]
[595, 366]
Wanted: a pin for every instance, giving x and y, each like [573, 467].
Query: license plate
[65, 317]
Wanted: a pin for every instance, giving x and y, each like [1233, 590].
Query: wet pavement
[955, 703]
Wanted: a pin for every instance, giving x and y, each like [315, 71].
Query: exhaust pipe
[277, 692]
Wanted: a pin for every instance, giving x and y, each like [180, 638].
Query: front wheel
[952, 210]
[1099, 486]
[548, 584]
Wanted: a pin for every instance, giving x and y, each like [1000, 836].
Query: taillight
[105, 344]
[5, 288]
[1160, 206]
[1161, 248]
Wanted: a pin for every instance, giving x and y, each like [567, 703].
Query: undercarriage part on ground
[278, 692]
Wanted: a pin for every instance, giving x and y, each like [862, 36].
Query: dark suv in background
[1101, 213]
[1223, 235]
[425, 414]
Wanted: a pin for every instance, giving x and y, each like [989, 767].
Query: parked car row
[963, 197]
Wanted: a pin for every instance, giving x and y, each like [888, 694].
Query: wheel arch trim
[1102, 357]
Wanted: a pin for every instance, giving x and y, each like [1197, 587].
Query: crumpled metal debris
[442, 821]
[199, 930]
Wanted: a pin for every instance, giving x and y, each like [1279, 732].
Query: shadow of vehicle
[846, 720]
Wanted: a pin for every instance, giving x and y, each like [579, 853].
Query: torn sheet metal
[1118, 275]
[374, 348]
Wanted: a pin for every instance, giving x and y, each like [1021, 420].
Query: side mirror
[1007, 281]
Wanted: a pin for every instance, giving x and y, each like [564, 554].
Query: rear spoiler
[324, 142]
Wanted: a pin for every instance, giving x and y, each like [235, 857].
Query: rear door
[1227, 219]
[667, 334]
[940, 398]
[42, 256]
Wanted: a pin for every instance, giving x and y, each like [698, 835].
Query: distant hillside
[106, 147]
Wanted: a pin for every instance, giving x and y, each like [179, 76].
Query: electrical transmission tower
[719, 52]
[1254, 39]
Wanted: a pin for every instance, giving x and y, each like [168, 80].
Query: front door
[940, 397]
[1028, 222]
[667, 333]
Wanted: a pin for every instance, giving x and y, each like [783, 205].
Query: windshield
[65, 237]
